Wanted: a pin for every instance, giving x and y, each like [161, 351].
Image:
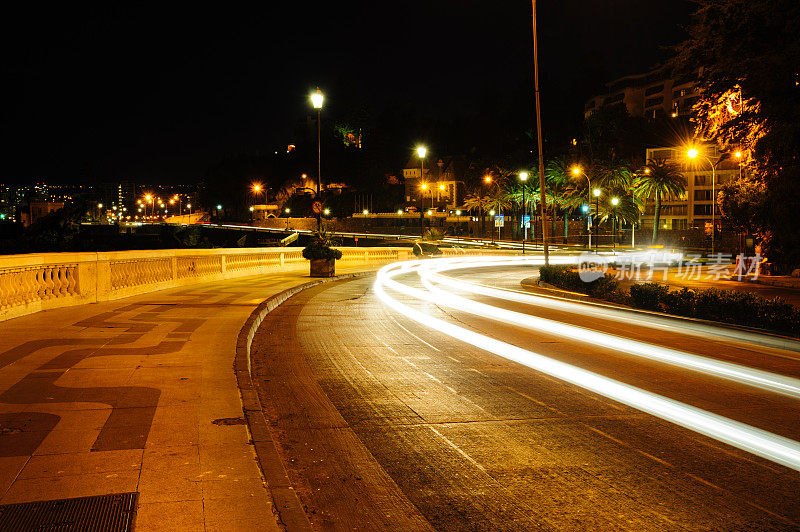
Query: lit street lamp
[421, 152]
[316, 101]
[523, 176]
[693, 153]
[614, 203]
[596, 193]
[577, 170]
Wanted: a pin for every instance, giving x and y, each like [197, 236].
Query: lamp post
[576, 170]
[523, 176]
[316, 100]
[596, 193]
[458, 225]
[421, 152]
[614, 203]
[491, 216]
[693, 153]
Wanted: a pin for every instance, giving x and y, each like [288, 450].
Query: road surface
[386, 423]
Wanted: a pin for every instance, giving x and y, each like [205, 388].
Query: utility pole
[539, 134]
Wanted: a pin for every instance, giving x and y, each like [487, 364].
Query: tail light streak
[756, 441]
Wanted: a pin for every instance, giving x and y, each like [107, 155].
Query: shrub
[320, 247]
[648, 296]
[567, 278]
[680, 302]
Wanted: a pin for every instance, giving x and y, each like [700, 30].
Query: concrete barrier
[33, 282]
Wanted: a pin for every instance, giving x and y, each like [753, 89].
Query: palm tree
[478, 199]
[660, 179]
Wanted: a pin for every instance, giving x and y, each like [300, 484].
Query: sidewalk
[137, 395]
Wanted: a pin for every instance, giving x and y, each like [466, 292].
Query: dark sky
[158, 94]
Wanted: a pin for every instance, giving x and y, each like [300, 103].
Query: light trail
[726, 370]
[640, 318]
[740, 435]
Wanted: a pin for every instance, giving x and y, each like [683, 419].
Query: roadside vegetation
[713, 304]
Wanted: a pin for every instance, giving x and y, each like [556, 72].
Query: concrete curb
[290, 512]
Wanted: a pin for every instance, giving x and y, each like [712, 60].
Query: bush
[648, 296]
[713, 304]
[567, 278]
[680, 302]
[319, 251]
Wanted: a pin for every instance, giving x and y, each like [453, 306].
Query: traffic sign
[317, 207]
[500, 220]
[526, 221]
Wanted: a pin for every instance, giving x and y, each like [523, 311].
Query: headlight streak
[742, 436]
[686, 327]
[726, 370]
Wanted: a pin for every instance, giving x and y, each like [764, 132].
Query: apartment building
[693, 208]
[654, 94]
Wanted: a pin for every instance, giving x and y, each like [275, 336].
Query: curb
[289, 509]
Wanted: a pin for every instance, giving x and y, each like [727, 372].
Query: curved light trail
[756, 441]
[640, 318]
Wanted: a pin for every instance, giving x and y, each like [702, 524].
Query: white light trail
[753, 377]
[640, 318]
[740, 435]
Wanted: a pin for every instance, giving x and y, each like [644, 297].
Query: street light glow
[738, 155]
[597, 192]
[421, 151]
[424, 186]
[458, 213]
[365, 212]
[326, 212]
[692, 153]
[317, 98]
[256, 188]
[487, 179]
[399, 211]
[576, 170]
[441, 187]
[430, 213]
[523, 176]
[615, 201]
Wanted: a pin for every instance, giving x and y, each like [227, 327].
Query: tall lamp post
[543, 201]
[523, 176]
[614, 203]
[693, 153]
[596, 227]
[316, 101]
[576, 170]
[421, 152]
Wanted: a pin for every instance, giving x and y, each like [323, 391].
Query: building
[693, 208]
[37, 210]
[442, 186]
[654, 94]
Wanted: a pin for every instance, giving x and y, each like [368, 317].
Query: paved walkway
[137, 395]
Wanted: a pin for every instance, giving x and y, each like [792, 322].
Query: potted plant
[321, 255]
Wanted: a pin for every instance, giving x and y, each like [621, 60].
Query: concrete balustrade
[34, 282]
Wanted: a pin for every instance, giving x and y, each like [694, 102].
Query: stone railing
[30, 283]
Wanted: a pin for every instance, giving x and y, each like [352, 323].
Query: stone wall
[34, 282]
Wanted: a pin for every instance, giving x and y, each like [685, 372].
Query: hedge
[727, 306]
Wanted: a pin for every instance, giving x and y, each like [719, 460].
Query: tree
[660, 180]
[747, 52]
[478, 199]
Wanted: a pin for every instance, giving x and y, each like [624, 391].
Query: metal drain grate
[112, 513]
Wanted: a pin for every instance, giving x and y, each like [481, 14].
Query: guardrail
[34, 282]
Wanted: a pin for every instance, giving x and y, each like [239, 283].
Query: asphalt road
[384, 423]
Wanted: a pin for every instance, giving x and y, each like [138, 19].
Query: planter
[323, 267]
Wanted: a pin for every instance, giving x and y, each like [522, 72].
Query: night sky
[160, 94]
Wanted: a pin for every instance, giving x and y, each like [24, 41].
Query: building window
[650, 102]
[702, 210]
[702, 180]
[702, 195]
[654, 90]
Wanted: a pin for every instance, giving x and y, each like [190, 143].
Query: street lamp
[577, 170]
[614, 203]
[523, 176]
[693, 153]
[421, 152]
[316, 101]
[597, 193]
